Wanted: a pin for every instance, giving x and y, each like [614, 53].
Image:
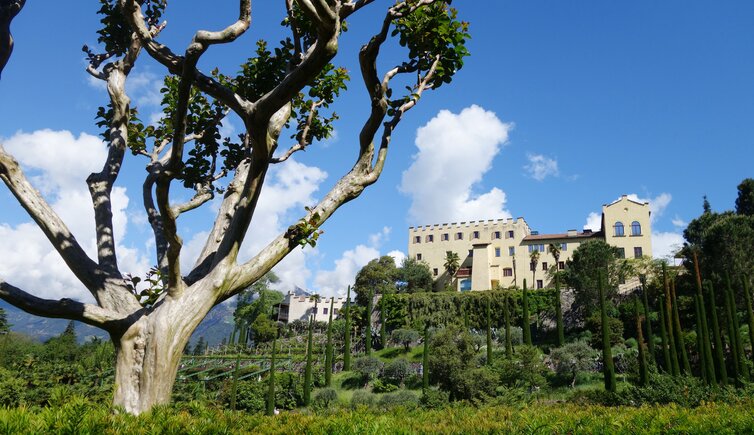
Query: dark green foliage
[362, 398]
[4, 325]
[722, 373]
[414, 277]
[396, 371]
[367, 367]
[582, 270]
[668, 315]
[700, 339]
[745, 199]
[489, 334]
[309, 362]
[559, 311]
[347, 337]
[735, 329]
[706, 343]
[615, 329]
[643, 366]
[383, 329]
[234, 384]
[647, 319]
[607, 355]
[525, 326]
[379, 276]
[425, 361]
[451, 357]
[749, 311]
[200, 348]
[329, 355]
[680, 342]
[508, 342]
[434, 399]
[664, 337]
[368, 325]
[525, 370]
[271, 380]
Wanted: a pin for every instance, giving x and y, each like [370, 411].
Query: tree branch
[85, 269]
[8, 10]
[108, 320]
[303, 142]
[231, 32]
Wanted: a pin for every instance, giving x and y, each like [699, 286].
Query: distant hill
[217, 325]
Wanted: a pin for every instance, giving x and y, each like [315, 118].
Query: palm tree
[452, 263]
[534, 261]
[554, 249]
[315, 298]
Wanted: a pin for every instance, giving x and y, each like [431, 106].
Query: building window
[445, 237]
[618, 227]
[430, 238]
[335, 311]
[564, 246]
[417, 239]
[540, 284]
[507, 271]
[459, 236]
[475, 235]
[544, 266]
[532, 267]
[471, 252]
[540, 248]
[324, 310]
[418, 257]
[561, 265]
[434, 271]
[497, 252]
[511, 250]
[637, 252]
[496, 235]
[635, 228]
[621, 253]
[509, 234]
[465, 285]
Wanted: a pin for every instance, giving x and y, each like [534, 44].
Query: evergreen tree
[647, 320]
[674, 367]
[329, 357]
[608, 365]
[749, 311]
[368, 326]
[508, 340]
[525, 317]
[680, 344]
[271, 377]
[734, 346]
[643, 369]
[347, 334]
[4, 325]
[700, 339]
[743, 367]
[308, 368]
[383, 327]
[664, 336]
[234, 383]
[559, 309]
[706, 342]
[200, 347]
[719, 355]
[425, 360]
[489, 334]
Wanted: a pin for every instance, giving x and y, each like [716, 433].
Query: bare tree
[292, 85]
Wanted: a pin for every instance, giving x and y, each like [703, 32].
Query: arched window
[618, 229]
[635, 228]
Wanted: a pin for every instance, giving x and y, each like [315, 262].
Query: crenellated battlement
[498, 223]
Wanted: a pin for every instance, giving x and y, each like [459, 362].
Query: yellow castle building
[497, 253]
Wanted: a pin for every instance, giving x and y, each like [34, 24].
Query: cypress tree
[234, 383]
[706, 342]
[749, 312]
[232, 341]
[271, 379]
[608, 366]
[329, 350]
[383, 327]
[643, 369]
[466, 322]
[674, 367]
[308, 369]
[347, 337]
[679, 331]
[508, 341]
[368, 326]
[425, 360]
[489, 333]
[700, 339]
[525, 317]
[729, 313]
[664, 336]
[743, 367]
[719, 355]
[559, 311]
[647, 320]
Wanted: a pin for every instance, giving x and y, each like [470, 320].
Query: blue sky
[562, 107]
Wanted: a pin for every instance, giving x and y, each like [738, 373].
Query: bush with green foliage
[396, 371]
[362, 398]
[572, 359]
[324, 398]
[403, 398]
[368, 368]
[526, 369]
[405, 337]
[378, 386]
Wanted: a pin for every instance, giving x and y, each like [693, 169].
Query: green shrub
[324, 398]
[368, 367]
[572, 359]
[12, 389]
[382, 387]
[362, 398]
[526, 369]
[434, 399]
[396, 371]
[402, 398]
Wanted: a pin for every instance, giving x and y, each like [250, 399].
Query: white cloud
[657, 205]
[679, 223]
[541, 167]
[665, 245]
[593, 222]
[455, 151]
[376, 239]
[398, 256]
[59, 163]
